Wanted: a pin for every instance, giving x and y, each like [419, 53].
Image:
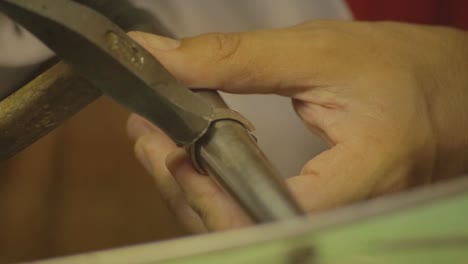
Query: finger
[196, 199]
[137, 127]
[270, 61]
[152, 148]
[216, 208]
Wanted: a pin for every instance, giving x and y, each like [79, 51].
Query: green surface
[436, 233]
[428, 226]
[433, 233]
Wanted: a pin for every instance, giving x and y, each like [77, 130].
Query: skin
[390, 98]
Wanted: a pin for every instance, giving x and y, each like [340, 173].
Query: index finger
[267, 61]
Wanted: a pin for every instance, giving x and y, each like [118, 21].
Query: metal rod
[103, 54]
[230, 154]
[40, 106]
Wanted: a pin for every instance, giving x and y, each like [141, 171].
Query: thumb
[248, 62]
[346, 173]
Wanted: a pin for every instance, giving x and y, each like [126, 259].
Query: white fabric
[280, 133]
[23, 50]
[186, 18]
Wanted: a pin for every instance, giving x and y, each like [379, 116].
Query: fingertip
[137, 127]
[134, 34]
[152, 145]
[179, 163]
[138, 37]
[154, 42]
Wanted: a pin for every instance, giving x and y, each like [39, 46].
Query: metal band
[219, 114]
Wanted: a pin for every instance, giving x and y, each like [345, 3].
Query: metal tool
[218, 138]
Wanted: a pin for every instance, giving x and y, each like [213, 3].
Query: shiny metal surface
[40, 106]
[231, 155]
[103, 53]
[219, 139]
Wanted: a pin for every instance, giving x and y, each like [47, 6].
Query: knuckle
[225, 46]
[172, 203]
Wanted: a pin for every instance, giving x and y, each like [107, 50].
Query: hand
[390, 98]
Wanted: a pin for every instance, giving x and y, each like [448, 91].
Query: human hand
[390, 98]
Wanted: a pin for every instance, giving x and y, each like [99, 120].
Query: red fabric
[436, 12]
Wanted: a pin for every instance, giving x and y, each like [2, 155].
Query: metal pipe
[40, 106]
[230, 154]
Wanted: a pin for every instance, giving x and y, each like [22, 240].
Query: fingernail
[155, 41]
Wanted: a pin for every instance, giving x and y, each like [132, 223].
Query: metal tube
[230, 154]
[40, 106]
